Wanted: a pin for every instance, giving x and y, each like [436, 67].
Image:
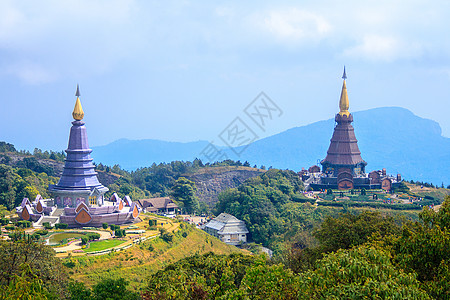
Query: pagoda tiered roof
[79, 173]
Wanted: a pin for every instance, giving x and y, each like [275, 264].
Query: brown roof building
[161, 205]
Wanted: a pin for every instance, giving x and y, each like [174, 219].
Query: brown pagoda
[343, 160]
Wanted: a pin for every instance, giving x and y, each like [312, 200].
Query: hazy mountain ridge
[390, 137]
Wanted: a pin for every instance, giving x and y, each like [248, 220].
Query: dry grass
[137, 263]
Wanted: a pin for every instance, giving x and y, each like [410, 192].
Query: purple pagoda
[79, 182]
[79, 196]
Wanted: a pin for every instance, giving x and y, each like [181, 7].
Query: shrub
[363, 192]
[105, 225]
[167, 237]
[84, 240]
[302, 199]
[61, 225]
[70, 264]
[10, 227]
[4, 221]
[329, 192]
[152, 222]
[47, 225]
[114, 227]
[36, 236]
[42, 232]
[120, 233]
[184, 234]
[93, 236]
[23, 224]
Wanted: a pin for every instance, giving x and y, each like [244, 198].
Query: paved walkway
[104, 235]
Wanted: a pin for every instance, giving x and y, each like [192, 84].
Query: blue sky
[183, 70]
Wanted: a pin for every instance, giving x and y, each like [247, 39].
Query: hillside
[389, 137]
[157, 180]
[138, 262]
[211, 181]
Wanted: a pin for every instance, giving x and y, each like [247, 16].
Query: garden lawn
[103, 245]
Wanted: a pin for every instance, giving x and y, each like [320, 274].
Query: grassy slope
[138, 262]
[427, 191]
[102, 245]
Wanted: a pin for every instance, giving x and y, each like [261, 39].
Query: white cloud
[293, 25]
[69, 37]
[31, 73]
[382, 48]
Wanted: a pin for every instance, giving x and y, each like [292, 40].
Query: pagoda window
[93, 200]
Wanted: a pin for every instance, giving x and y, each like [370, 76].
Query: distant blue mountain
[133, 154]
[389, 137]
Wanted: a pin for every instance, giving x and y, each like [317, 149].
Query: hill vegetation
[136, 263]
[320, 251]
[356, 254]
[367, 256]
[279, 215]
[23, 174]
[19, 183]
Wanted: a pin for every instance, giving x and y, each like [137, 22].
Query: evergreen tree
[184, 191]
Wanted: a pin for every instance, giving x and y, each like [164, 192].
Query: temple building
[78, 197]
[343, 168]
[78, 182]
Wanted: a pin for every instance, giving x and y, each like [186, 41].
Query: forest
[319, 251]
[356, 255]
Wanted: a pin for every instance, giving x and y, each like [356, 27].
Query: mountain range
[388, 137]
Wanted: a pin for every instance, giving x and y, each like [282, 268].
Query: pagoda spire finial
[78, 89]
[78, 113]
[343, 103]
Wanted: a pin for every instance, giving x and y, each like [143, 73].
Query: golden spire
[78, 112]
[343, 103]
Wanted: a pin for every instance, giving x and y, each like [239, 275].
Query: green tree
[263, 281]
[349, 230]
[363, 272]
[112, 289]
[207, 276]
[78, 291]
[184, 191]
[7, 147]
[25, 286]
[423, 248]
[40, 259]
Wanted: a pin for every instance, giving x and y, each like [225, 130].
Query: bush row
[370, 204]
